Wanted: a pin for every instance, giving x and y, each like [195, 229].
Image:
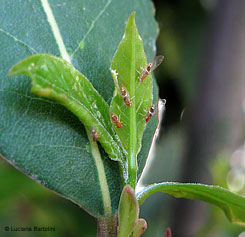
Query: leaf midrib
[132, 127]
[55, 29]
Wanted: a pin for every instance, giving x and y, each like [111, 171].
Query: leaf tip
[12, 72]
[132, 16]
[140, 227]
[131, 19]
[129, 190]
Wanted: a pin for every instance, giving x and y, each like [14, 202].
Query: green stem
[123, 167]
[102, 176]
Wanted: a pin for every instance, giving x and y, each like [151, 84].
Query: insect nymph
[94, 134]
[149, 113]
[125, 96]
[115, 119]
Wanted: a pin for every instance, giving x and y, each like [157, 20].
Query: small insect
[115, 120]
[125, 96]
[150, 67]
[149, 113]
[94, 134]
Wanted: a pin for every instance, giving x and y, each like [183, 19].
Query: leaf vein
[20, 117]
[18, 40]
[29, 97]
[58, 146]
[55, 30]
[92, 25]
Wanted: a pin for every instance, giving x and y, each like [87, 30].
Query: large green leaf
[232, 204]
[132, 98]
[41, 137]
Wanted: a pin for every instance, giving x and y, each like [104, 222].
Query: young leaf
[232, 204]
[58, 80]
[132, 98]
[140, 227]
[128, 212]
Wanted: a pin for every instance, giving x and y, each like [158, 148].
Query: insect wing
[123, 91]
[94, 135]
[157, 61]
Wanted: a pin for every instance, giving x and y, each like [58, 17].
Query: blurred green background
[201, 137]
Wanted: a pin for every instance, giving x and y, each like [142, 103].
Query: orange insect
[149, 113]
[115, 120]
[94, 134]
[150, 67]
[125, 96]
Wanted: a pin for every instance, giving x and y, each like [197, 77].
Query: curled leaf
[58, 80]
[232, 204]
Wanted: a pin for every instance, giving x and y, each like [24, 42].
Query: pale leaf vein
[18, 40]
[55, 30]
[92, 25]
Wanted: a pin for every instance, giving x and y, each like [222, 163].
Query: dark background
[201, 137]
[202, 134]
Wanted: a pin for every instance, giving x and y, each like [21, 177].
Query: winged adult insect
[151, 67]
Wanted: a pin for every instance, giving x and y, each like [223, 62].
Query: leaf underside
[41, 137]
[232, 204]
